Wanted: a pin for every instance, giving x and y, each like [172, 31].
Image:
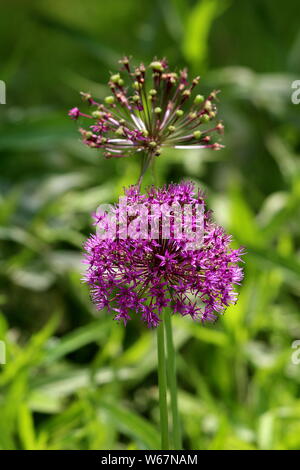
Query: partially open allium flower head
[149, 108]
[147, 261]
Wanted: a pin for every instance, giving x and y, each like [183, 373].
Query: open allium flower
[157, 108]
[144, 274]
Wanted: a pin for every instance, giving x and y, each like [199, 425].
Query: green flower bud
[199, 99]
[179, 112]
[115, 78]
[157, 66]
[186, 93]
[157, 110]
[97, 114]
[85, 96]
[109, 100]
[208, 106]
[152, 144]
[196, 80]
[171, 128]
[152, 92]
[204, 118]
[197, 134]
[120, 131]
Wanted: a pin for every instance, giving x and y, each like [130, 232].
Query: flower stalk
[162, 385]
[172, 381]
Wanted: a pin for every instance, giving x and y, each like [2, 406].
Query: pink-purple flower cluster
[141, 276]
[157, 108]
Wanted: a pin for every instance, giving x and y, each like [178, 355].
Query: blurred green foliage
[74, 379]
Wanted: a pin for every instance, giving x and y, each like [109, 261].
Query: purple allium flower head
[157, 109]
[143, 275]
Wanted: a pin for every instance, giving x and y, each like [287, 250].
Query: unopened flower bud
[171, 128]
[197, 134]
[199, 99]
[74, 113]
[157, 110]
[124, 61]
[137, 85]
[120, 131]
[186, 93]
[115, 78]
[97, 114]
[157, 66]
[220, 128]
[217, 146]
[204, 118]
[213, 95]
[179, 112]
[208, 106]
[85, 96]
[109, 99]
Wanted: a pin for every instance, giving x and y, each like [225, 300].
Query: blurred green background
[74, 379]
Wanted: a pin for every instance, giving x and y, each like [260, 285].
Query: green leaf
[132, 424]
[26, 427]
[197, 29]
[92, 332]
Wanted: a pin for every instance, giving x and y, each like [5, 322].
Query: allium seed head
[148, 102]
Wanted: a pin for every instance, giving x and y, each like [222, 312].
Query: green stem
[153, 171]
[145, 162]
[162, 384]
[176, 431]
